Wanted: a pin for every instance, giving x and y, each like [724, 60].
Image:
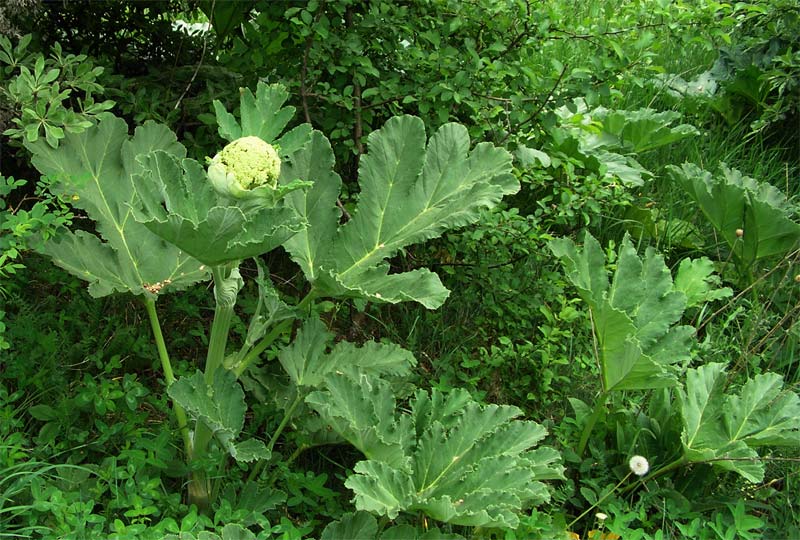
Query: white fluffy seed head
[639, 465]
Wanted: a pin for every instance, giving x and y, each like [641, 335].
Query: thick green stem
[599, 407]
[169, 376]
[261, 346]
[225, 291]
[223, 313]
[269, 339]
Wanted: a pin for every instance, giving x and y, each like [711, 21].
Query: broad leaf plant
[165, 222]
[641, 345]
[635, 313]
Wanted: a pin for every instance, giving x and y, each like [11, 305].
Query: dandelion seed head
[639, 465]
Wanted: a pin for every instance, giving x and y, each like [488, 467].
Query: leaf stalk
[169, 376]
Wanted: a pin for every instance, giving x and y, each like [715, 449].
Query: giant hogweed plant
[165, 222]
[641, 345]
[635, 314]
[755, 220]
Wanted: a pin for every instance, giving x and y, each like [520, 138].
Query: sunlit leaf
[410, 192]
[754, 218]
[453, 459]
[635, 315]
[725, 428]
[94, 171]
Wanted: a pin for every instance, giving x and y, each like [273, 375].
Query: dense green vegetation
[338, 269]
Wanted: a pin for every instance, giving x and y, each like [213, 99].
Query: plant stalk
[599, 407]
[286, 417]
[600, 500]
[225, 295]
[270, 338]
[169, 376]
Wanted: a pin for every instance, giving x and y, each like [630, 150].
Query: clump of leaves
[455, 460]
[753, 218]
[40, 92]
[725, 429]
[636, 314]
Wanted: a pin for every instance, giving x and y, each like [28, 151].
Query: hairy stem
[223, 313]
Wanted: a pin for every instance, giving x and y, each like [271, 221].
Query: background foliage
[637, 122]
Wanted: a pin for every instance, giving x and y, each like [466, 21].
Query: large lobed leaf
[455, 460]
[733, 201]
[94, 171]
[725, 428]
[178, 202]
[222, 408]
[635, 132]
[611, 138]
[635, 315]
[307, 360]
[410, 192]
[263, 115]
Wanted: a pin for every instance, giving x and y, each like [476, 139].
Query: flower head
[601, 516]
[639, 465]
[244, 165]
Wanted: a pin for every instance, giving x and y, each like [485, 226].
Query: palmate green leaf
[410, 192]
[635, 315]
[631, 131]
[312, 356]
[307, 360]
[352, 526]
[614, 137]
[725, 429]
[469, 465]
[696, 279]
[94, 171]
[222, 408]
[263, 115]
[645, 129]
[178, 203]
[361, 410]
[733, 201]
